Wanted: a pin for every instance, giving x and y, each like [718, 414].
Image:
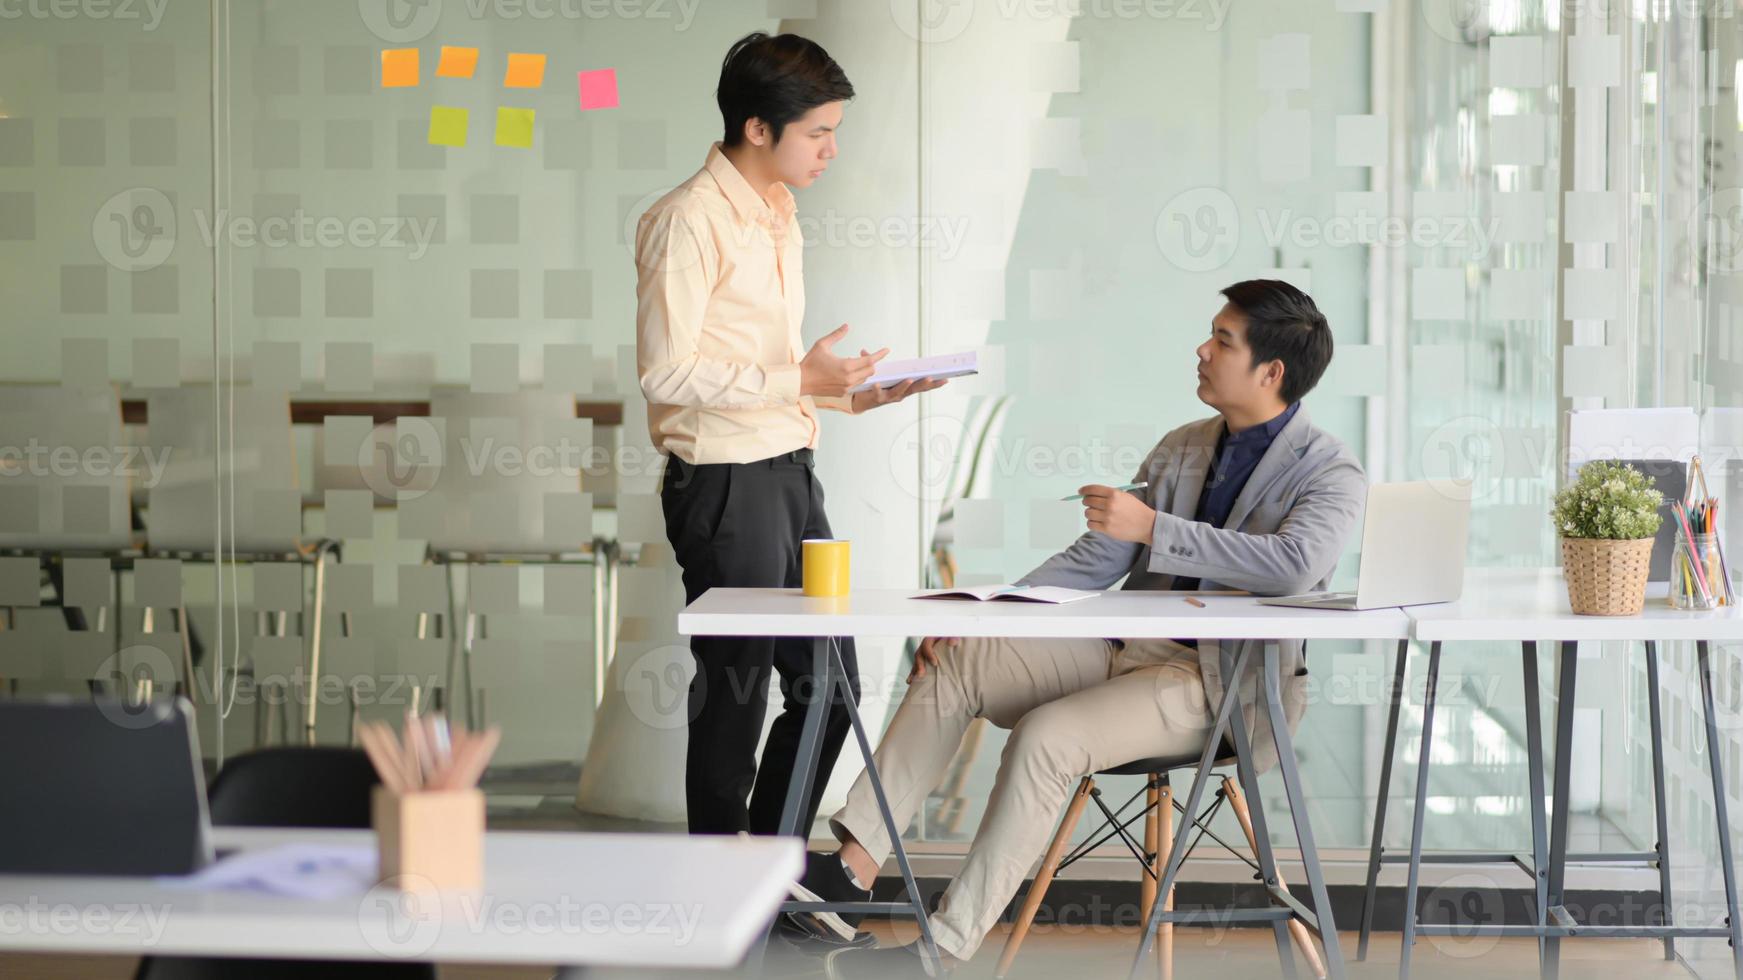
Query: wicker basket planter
[1605, 577]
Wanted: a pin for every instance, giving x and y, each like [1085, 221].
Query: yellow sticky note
[447, 126]
[457, 62]
[525, 71]
[514, 127]
[399, 67]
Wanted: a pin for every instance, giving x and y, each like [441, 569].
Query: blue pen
[1129, 486]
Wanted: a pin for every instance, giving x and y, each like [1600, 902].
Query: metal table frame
[1319, 919]
[826, 665]
[1548, 865]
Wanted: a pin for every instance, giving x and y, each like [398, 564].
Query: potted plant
[1607, 518]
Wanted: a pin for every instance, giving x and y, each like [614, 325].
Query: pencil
[1127, 487]
[1194, 602]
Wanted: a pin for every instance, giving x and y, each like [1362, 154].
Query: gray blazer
[1284, 536]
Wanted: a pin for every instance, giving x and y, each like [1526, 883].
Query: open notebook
[1010, 593]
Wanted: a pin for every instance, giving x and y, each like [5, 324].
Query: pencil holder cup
[430, 836]
[825, 566]
[1697, 576]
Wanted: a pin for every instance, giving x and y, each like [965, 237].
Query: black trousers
[740, 525]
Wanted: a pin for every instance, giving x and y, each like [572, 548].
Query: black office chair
[296, 786]
[1152, 853]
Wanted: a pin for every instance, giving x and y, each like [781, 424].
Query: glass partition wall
[320, 332]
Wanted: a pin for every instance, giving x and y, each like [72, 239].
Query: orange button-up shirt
[720, 296]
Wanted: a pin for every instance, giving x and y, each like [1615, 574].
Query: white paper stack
[892, 373]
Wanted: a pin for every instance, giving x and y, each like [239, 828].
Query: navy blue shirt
[1236, 457]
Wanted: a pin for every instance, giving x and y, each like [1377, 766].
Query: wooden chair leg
[1044, 875]
[1164, 851]
[1297, 929]
[1152, 816]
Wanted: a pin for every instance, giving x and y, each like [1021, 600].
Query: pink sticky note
[599, 89]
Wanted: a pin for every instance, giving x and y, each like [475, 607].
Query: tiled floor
[1101, 952]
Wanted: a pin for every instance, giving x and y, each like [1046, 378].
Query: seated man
[1255, 498]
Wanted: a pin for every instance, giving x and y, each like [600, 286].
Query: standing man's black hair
[1283, 324]
[776, 79]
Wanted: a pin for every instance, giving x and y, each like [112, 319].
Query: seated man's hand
[928, 654]
[1117, 514]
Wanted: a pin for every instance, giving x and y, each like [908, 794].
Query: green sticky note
[447, 126]
[514, 127]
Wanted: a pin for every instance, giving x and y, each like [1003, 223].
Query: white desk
[1524, 606]
[571, 899]
[1531, 603]
[1126, 615]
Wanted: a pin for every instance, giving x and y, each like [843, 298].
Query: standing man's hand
[1117, 514]
[878, 395]
[823, 373]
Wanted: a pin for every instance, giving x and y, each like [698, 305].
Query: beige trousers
[1072, 707]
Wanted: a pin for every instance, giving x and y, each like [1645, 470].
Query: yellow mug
[824, 563]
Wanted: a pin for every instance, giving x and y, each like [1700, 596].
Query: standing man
[732, 403]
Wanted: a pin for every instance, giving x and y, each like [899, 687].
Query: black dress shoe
[826, 880]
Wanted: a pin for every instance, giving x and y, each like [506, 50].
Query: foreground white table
[1523, 606]
[569, 899]
[1123, 615]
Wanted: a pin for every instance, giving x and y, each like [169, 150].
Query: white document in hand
[1052, 594]
[891, 373]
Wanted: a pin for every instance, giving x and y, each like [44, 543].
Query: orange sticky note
[457, 62]
[525, 71]
[399, 67]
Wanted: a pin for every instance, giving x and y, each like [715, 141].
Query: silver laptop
[1413, 548]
